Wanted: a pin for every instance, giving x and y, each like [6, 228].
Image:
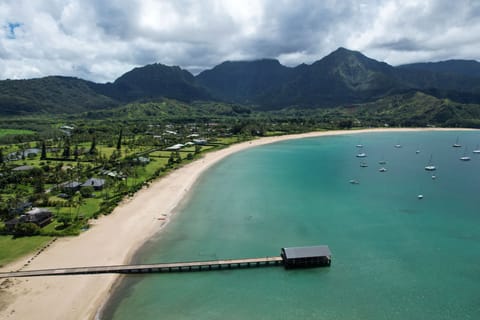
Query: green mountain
[342, 78]
[417, 109]
[152, 82]
[244, 81]
[50, 95]
[469, 68]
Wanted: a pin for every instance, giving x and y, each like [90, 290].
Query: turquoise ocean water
[394, 256]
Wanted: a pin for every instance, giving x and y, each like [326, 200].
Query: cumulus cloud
[100, 40]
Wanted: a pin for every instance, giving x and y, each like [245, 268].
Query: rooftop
[307, 252]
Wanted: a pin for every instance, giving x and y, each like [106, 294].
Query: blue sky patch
[11, 26]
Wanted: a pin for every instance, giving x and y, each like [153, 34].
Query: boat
[398, 145]
[456, 144]
[434, 177]
[420, 196]
[363, 164]
[477, 149]
[417, 152]
[465, 157]
[382, 169]
[361, 155]
[382, 161]
[359, 146]
[353, 181]
[430, 166]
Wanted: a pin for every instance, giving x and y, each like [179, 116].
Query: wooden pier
[293, 257]
[152, 268]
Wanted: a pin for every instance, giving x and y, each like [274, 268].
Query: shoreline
[115, 238]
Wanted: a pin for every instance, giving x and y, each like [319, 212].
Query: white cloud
[100, 40]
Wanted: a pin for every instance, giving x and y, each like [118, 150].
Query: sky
[99, 40]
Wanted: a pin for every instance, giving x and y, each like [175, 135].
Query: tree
[38, 183]
[76, 152]
[66, 149]
[43, 155]
[171, 159]
[65, 220]
[93, 146]
[197, 149]
[119, 141]
[178, 158]
[26, 229]
[2, 160]
[86, 192]
[78, 201]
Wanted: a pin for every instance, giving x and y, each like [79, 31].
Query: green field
[14, 248]
[5, 132]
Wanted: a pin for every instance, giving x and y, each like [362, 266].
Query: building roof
[36, 211]
[22, 168]
[31, 150]
[307, 252]
[70, 184]
[94, 182]
[175, 147]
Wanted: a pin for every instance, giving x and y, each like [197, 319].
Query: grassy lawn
[12, 249]
[227, 140]
[5, 132]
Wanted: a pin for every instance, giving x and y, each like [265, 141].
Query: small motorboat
[382, 169]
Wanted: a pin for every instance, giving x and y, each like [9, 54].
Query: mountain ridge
[342, 77]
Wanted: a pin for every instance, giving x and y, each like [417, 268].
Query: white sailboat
[456, 144]
[430, 166]
[477, 150]
[361, 154]
[382, 161]
[465, 157]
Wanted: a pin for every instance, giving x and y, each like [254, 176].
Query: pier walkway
[151, 268]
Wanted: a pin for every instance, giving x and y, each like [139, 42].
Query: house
[70, 186]
[39, 216]
[301, 257]
[142, 160]
[200, 141]
[96, 183]
[21, 207]
[193, 135]
[175, 147]
[31, 152]
[23, 168]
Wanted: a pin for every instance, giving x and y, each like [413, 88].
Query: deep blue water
[394, 256]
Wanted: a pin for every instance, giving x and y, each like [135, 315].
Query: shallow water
[394, 256]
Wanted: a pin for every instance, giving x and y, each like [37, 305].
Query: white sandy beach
[111, 240]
